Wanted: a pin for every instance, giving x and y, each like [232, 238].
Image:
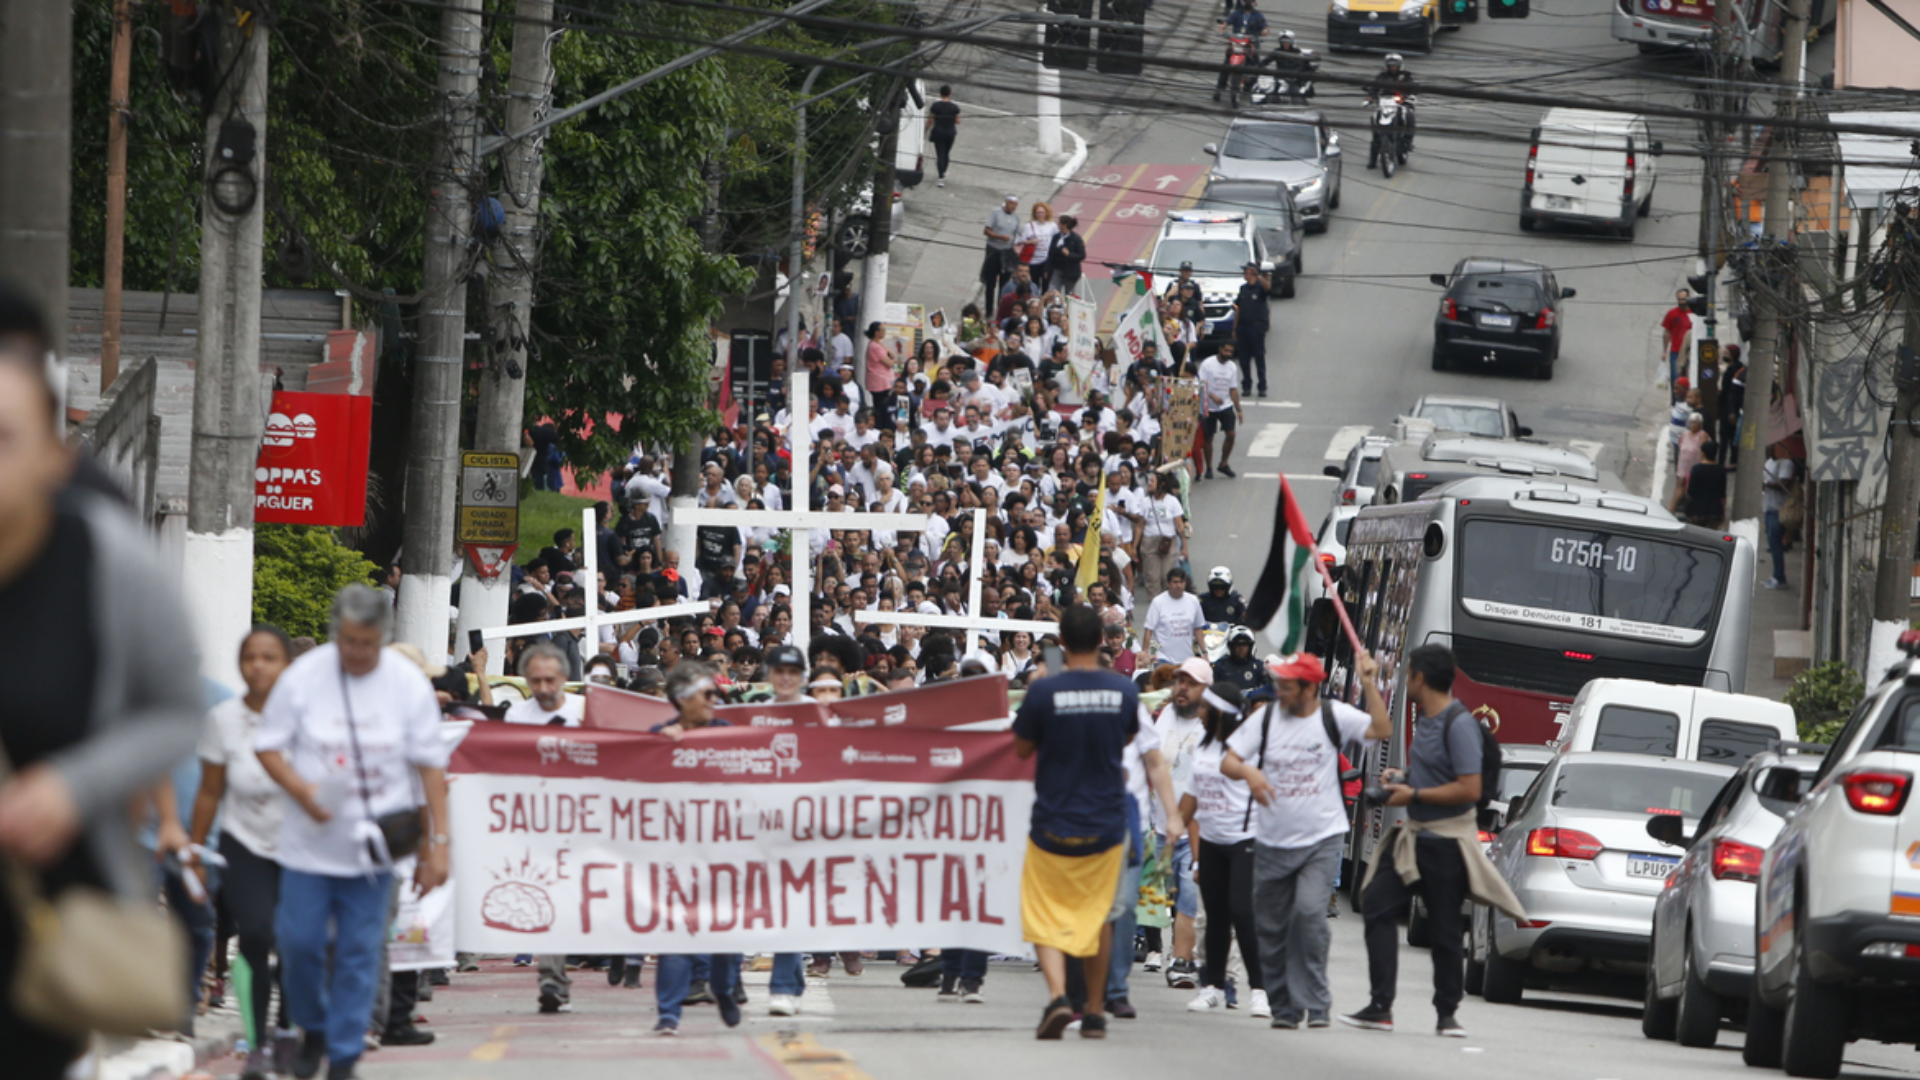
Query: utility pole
[433, 467]
[1774, 268]
[36, 158]
[873, 285]
[1900, 512]
[227, 418]
[681, 536]
[119, 110]
[503, 383]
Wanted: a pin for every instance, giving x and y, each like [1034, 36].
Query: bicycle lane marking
[1132, 218]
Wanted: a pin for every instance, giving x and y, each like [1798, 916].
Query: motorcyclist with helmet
[1394, 78]
[1220, 604]
[1291, 63]
[1239, 668]
[1242, 20]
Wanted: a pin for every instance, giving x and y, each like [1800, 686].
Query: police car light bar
[1208, 217]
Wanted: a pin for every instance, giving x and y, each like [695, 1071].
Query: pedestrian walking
[1732, 400]
[1288, 755]
[1076, 723]
[235, 787]
[1181, 727]
[996, 270]
[351, 734]
[1776, 487]
[1706, 502]
[1434, 853]
[1068, 254]
[1033, 242]
[690, 687]
[943, 126]
[1675, 325]
[1251, 315]
[1220, 400]
[1219, 812]
[108, 696]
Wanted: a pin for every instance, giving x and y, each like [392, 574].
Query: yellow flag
[1090, 550]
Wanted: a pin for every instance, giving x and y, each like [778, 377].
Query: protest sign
[421, 933]
[1181, 420]
[737, 840]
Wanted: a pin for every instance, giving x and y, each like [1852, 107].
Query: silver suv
[1297, 148]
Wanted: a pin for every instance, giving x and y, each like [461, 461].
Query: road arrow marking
[1164, 182]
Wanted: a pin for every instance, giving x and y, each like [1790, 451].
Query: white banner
[738, 840]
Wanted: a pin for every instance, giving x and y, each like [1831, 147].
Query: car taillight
[1348, 496]
[1484, 836]
[1563, 844]
[1545, 321]
[1583, 657]
[1629, 174]
[1735, 861]
[1326, 557]
[1532, 153]
[1873, 792]
[1449, 309]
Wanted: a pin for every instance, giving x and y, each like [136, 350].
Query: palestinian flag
[1278, 606]
[1140, 278]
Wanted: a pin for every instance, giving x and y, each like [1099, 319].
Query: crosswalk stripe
[1346, 439]
[1270, 440]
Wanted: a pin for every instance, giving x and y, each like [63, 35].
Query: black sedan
[1270, 205]
[1498, 311]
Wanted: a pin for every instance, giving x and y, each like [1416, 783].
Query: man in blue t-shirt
[1077, 724]
[1440, 790]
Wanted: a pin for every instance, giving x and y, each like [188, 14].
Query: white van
[1634, 716]
[1589, 168]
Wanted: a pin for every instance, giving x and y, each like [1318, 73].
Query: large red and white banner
[737, 839]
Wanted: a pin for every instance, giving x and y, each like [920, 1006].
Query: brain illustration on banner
[519, 906]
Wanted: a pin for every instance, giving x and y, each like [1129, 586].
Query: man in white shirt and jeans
[1290, 763]
[1174, 622]
[1220, 394]
[350, 735]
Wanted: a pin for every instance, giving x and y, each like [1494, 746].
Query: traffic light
[1120, 50]
[1064, 48]
[1697, 300]
[1508, 9]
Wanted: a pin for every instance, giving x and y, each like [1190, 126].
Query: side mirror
[1333, 147]
[1657, 148]
[1211, 149]
[1568, 294]
[1335, 471]
[1438, 279]
[1523, 432]
[1333, 139]
[1669, 829]
[1266, 266]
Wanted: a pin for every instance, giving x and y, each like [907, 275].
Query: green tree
[1823, 696]
[297, 569]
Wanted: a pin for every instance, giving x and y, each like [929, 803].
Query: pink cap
[1198, 670]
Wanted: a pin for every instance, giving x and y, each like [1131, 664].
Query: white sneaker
[1258, 1007]
[783, 1005]
[1208, 999]
[1153, 962]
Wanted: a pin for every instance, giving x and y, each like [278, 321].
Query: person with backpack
[1435, 853]
[1288, 755]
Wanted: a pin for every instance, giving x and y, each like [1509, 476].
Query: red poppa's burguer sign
[738, 840]
[312, 468]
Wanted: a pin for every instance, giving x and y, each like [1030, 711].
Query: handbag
[1027, 250]
[89, 961]
[401, 831]
[1793, 513]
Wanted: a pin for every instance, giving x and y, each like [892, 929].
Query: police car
[1218, 243]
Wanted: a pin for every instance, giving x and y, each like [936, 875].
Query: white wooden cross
[972, 623]
[592, 620]
[800, 518]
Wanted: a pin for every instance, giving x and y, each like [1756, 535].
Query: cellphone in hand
[475, 641]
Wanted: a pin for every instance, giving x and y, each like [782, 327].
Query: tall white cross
[592, 620]
[800, 518]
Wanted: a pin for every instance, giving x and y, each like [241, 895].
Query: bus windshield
[1581, 578]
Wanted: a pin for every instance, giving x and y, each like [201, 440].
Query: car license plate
[1658, 867]
[1373, 29]
[1558, 202]
[1498, 322]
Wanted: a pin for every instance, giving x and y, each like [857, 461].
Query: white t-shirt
[1159, 517]
[397, 724]
[1220, 379]
[1172, 622]
[1179, 735]
[250, 810]
[1220, 804]
[1303, 771]
[1137, 785]
[572, 708]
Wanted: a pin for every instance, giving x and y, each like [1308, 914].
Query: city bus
[1537, 585]
[1669, 25]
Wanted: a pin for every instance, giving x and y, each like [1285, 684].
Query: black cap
[786, 656]
[1186, 266]
[1251, 266]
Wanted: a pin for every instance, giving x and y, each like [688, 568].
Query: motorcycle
[1291, 83]
[1213, 640]
[1390, 135]
[1239, 53]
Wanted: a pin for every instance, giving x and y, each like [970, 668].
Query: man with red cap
[1288, 755]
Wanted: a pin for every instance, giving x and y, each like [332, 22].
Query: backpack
[1333, 739]
[1489, 754]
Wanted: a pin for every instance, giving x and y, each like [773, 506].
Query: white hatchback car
[1576, 853]
[1701, 957]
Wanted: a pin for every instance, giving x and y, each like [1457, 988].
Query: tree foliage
[297, 569]
[1823, 696]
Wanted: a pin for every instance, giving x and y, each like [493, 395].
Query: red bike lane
[1121, 208]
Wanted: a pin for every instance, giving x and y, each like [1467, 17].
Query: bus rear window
[1625, 729]
[1730, 742]
[1575, 577]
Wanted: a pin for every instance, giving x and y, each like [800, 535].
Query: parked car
[1498, 311]
[1359, 472]
[1269, 205]
[1576, 853]
[852, 226]
[1486, 416]
[1635, 716]
[1837, 940]
[1701, 956]
[1295, 147]
[1591, 168]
